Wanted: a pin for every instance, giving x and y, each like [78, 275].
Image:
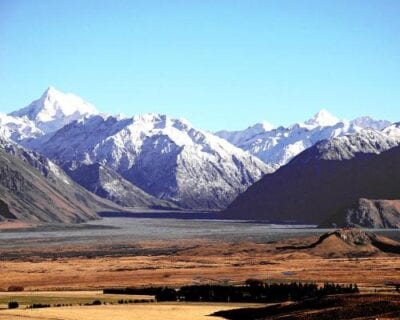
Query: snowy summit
[322, 119]
[54, 109]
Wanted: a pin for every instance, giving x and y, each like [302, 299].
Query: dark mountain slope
[322, 181]
[44, 193]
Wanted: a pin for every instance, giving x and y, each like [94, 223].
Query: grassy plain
[74, 274]
[27, 298]
[176, 263]
[154, 311]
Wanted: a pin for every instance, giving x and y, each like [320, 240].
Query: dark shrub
[13, 305]
[15, 288]
[166, 294]
[254, 283]
[39, 305]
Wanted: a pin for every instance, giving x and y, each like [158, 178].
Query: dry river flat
[180, 262]
[71, 265]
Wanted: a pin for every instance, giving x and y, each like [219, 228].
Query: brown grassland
[181, 262]
[164, 311]
[86, 268]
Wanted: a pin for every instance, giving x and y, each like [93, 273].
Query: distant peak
[262, 126]
[149, 117]
[161, 120]
[363, 118]
[267, 126]
[49, 91]
[368, 122]
[49, 94]
[54, 109]
[322, 118]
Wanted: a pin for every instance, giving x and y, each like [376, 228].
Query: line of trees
[251, 291]
[15, 304]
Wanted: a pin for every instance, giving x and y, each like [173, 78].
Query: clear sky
[219, 64]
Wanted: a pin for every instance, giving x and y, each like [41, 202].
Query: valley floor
[164, 311]
[56, 271]
[180, 262]
[71, 266]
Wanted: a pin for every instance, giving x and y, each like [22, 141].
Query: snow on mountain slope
[278, 146]
[237, 137]
[18, 129]
[165, 157]
[368, 122]
[348, 146]
[393, 130]
[54, 109]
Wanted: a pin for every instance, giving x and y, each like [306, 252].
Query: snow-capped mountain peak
[322, 119]
[164, 156]
[54, 109]
[55, 101]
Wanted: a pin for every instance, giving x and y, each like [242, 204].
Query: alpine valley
[324, 171]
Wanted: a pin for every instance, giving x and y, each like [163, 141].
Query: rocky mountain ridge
[278, 146]
[35, 190]
[165, 157]
[324, 180]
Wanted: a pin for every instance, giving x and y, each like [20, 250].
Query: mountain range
[155, 161]
[159, 156]
[276, 147]
[165, 157]
[325, 180]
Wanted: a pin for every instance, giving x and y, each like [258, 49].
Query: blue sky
[220, 64]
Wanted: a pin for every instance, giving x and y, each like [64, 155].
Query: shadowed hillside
[339, 307]
[42, 196]
[317, 185]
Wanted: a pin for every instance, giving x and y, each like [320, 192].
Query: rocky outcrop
[349, 242]
[5, 212]
[368, 214]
